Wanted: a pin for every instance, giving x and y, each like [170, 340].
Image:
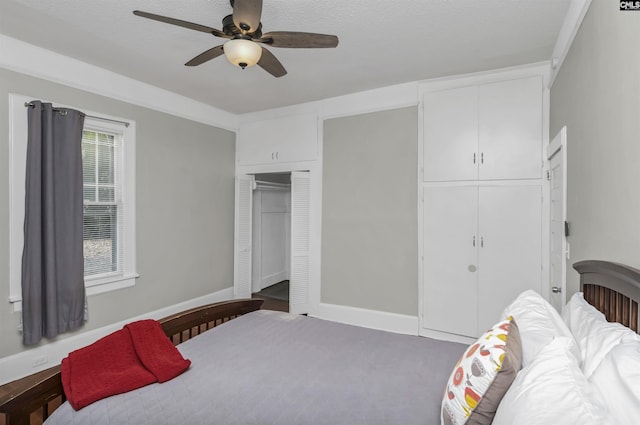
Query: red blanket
[137, 355]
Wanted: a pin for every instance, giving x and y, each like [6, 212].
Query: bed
[266, 367]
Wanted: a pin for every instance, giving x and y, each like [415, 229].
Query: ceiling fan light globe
[242, 53]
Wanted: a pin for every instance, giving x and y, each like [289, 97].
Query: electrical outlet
[39, 361]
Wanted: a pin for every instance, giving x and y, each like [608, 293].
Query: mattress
[269, 367]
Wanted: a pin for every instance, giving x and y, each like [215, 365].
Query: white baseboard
[272, 279]
[444, 336]
[43, 357]
[382, 320]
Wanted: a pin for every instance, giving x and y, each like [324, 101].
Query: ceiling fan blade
[246, 14]
[271, 64]
[298, 39]
[181, 23]
[206, 56]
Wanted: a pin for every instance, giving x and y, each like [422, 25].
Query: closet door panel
[510, 129]
[510, 251]
[300, 242]
[451, 134]
[450, 260]
[243, 236]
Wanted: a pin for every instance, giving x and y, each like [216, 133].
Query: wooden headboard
[612, 288]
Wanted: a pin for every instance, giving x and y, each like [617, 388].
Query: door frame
[261, 190]
[315, 218]
[558, 146]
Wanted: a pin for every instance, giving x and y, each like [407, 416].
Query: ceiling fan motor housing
[230, 28]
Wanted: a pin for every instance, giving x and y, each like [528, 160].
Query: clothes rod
[63, 112]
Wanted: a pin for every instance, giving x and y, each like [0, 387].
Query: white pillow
[552, 390]
[539, 323]
[578, 308]
[593, 334]
[618, 379]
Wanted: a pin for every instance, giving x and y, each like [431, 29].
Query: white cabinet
[482, 209]
[451, 134]
[510, 250]
[450, 275]
[482, 246]
[486, 132]
[283, 139]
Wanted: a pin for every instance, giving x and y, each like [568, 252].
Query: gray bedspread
[274, 368]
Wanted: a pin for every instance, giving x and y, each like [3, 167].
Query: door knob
[556, 289]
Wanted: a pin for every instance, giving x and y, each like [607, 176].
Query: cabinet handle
[482, 242]
[272, 155]
[482, 158]
[474, 157]
[474, 240]
[277, 155]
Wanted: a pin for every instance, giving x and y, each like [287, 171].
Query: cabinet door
[450, 286]
[510, 129]
[284, 139]
[510, 251]
[451, 134]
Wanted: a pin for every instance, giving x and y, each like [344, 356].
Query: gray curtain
[53, 294]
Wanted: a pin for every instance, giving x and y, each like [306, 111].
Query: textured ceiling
[382, 42]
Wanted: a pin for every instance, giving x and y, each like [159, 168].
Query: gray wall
[369, 211]
[185, 208]
[597, 96]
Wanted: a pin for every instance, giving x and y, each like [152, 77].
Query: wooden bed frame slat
[619, 308]
[20, 398]
[613, 289]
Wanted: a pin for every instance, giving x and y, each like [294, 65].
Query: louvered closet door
[242, 238]
[300, 209]
[450, 260]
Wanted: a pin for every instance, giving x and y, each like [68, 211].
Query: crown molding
[18, 56]
[572, 21]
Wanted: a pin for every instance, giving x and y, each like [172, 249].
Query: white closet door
[510, 131]
[256, 242]
[451, 134]
[300, 209]
[450, 260]
[557, 154]
[242, 236]
[510, 251]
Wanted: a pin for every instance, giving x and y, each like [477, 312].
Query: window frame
[17, 168]
[126, 276]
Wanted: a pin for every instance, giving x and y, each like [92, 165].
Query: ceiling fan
[244, 30]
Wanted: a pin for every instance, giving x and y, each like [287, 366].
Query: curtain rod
[64, 112]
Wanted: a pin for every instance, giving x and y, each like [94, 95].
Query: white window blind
[103, 202]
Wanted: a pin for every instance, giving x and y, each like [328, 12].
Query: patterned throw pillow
[482, 376]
